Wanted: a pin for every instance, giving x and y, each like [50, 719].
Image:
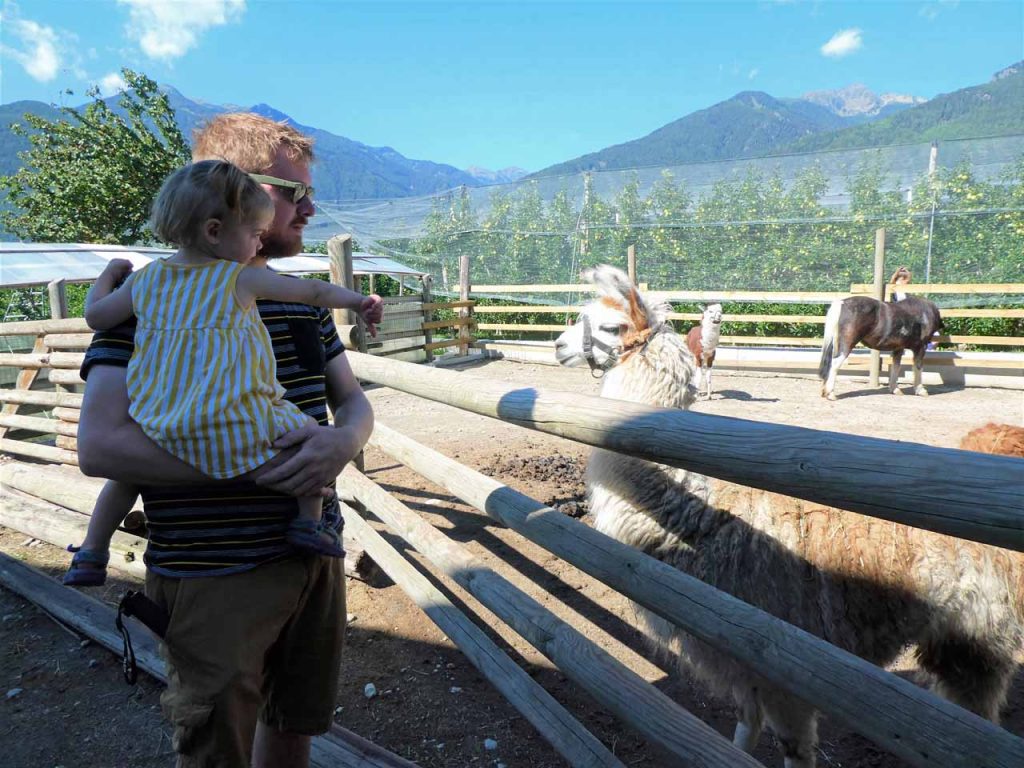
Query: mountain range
[749, 124]
[753, 124]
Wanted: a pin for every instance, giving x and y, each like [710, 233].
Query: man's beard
[276, 245]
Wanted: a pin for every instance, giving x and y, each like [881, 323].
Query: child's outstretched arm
[263, 283]
[107, 305]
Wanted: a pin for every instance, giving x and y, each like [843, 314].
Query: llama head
[613, 326]
[900, 277]
[712, 314]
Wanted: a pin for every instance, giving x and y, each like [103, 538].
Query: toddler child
[202, 379]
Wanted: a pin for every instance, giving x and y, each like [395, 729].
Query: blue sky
[499, 84]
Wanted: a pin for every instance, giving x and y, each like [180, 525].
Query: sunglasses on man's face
[299, 190]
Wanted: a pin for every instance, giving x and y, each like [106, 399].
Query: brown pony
[894, 326]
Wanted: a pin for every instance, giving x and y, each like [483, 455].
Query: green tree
[91, 175]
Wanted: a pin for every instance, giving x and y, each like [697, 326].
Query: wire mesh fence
[953, 212]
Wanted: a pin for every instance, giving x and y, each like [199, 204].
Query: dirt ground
[65, 704]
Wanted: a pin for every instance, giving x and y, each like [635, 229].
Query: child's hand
[117, 270]
[372, 312]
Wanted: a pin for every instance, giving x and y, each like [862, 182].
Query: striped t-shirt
[210, 530]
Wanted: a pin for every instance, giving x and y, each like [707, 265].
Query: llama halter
[616, 354]
[598, 370]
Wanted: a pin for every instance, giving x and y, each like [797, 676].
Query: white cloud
[843, 43]
[112, 83]
[168, 29]
[753, 73]
[37, 49]
[931, 10]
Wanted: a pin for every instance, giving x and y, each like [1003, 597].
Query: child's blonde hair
[210, 189]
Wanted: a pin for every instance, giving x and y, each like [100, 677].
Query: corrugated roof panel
[27, 264]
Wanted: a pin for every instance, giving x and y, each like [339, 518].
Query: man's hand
[372, 312]
[315, 456]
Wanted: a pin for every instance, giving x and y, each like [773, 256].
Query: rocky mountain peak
[857, 99]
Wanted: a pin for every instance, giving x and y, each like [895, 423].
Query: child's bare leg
[112, 507]
[89, 565]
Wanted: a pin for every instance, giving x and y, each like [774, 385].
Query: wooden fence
[779, 353]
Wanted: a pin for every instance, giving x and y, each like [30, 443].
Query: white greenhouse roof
[25, 264]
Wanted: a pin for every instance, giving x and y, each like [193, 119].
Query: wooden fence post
[339, 252]
[428, 315]
[465, 313]
[875, 369]
[631, 263]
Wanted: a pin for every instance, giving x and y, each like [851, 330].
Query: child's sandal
[88, 568]
[309, 536]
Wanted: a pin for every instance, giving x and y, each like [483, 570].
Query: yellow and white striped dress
[202, 379]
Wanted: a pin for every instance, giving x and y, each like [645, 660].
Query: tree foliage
[755, 231]
[91, 174]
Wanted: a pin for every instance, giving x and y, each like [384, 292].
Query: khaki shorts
[264, 643]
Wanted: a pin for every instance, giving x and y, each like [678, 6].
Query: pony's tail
[831, 331]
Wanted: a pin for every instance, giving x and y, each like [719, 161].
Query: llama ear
[609, 281]
[702, 308]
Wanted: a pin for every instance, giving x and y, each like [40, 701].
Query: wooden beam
[67, 340]
[522, 327]
[644, 708]
[65, 376]
[37, 424]
[28, 397]
[555, 724]
[37, 327]
[433, 305]
[68, 360]
[948, 288]
[960, 493]
[435, 324]
[60, 527]
[72, 415]
[909, 721]
[37, 451]
[382, 337]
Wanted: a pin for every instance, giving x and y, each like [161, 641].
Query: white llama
[702, 341]
[864, 584]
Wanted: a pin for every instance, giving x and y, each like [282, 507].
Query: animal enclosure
[849, 692]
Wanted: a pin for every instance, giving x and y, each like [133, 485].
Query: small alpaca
[702, 341]
[906, 323]
[866, 585]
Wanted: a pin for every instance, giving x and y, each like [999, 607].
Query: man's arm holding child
[324, 451]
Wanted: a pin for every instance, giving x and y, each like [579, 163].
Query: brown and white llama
[702, 341]
[864, 584]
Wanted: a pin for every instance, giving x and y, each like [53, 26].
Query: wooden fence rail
[960, 493]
